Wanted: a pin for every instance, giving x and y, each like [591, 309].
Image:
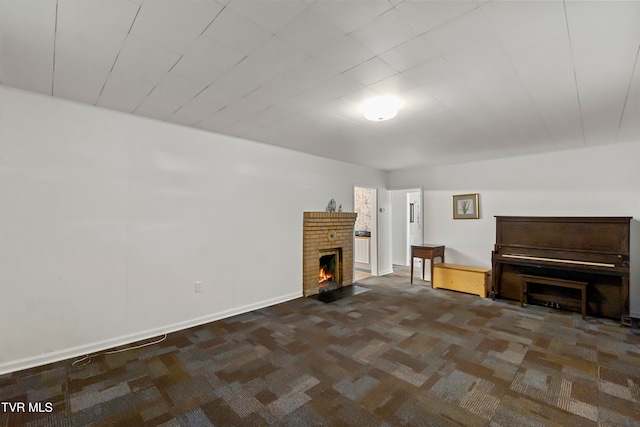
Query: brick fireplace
[327, 233]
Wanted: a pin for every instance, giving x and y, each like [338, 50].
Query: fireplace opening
[329, 273]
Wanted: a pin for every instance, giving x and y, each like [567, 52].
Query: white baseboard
[96, 347]
[385, 272]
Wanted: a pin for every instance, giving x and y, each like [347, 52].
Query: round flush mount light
[381, 108]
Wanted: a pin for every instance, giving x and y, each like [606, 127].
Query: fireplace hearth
[327, 262]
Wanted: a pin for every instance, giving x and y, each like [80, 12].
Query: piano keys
[587, 249]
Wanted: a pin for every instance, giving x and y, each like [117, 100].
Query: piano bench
[525, 279]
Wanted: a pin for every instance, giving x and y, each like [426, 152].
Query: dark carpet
[396, 355]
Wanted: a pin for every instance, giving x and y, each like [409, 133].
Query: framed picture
[465, 206]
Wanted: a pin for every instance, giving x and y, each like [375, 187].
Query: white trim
[383, 273]
[74, 352]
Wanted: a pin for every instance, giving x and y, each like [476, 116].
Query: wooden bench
[462, 278]
[525, 279]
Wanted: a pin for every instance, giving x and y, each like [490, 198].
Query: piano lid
[605, 235]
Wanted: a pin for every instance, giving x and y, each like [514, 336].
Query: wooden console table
[429, 252]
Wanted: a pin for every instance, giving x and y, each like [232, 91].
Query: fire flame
[325, 276]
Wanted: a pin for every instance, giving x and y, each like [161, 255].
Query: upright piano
[594, 250]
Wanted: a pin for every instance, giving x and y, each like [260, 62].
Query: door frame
[404, 215]
[373, 255]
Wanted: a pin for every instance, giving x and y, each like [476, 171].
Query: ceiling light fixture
[381, 108]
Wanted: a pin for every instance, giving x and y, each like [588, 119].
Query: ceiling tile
[371, 71]
[230, 114]
[258, 120]
[232, 84]
[594, 24]
[240, 128]
[311, 32]
[499, 84]
[26, 66]
[536, 32]
[195, 110]
[28, 22]
[504, 15]
[547, 71]
[548, 75]
[213, 54]
[565, 126]
[26, 75]
[271, 15]
[193, 69]
[486, 50]
[351, 15]
[630, 124]
[454, 92]
[87, 40]
[194, 14]
[185, 87]
[227, 89]
[219, 95]
[385, 32]
[27, 44]
[161, 103]
[77, 87]
[78, 81]
[272, 58]
[414, 77]
[602, 104]
[460, 33]
[428, 15]
[333, 88]
[394, 85]
[530, 128]
[479, 79]
[340, 108]
[302, 77]
[346, 53]
[237, 32]
[289, 107]
[123, 93]
[118, 14]
[356, 98]
[157, 60]
[410, 54]
[419, 101]
[163, 32]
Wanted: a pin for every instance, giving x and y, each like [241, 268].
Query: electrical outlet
[198, 287]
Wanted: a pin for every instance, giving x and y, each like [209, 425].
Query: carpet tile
[396, 355]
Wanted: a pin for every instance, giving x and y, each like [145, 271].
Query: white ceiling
[480, 79]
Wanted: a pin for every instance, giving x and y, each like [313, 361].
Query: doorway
[365, 245]
[414, 221]
[407, 224]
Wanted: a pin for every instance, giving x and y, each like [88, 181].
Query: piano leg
[495, 278]
[624, 300]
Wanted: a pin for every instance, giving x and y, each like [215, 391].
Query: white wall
[594, 181]
[107, 220]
